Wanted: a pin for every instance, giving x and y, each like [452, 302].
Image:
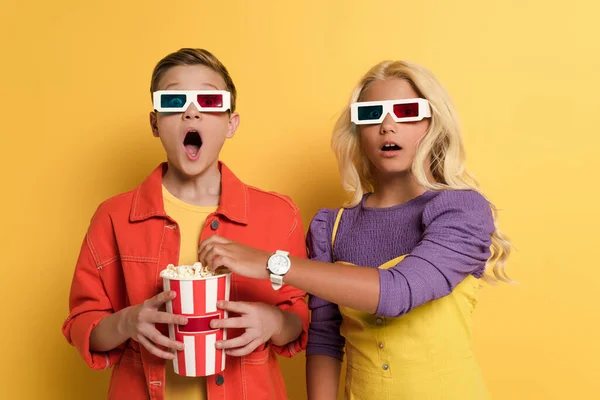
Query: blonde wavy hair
[442, 145]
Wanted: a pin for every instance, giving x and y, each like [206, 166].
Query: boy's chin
[191, 169]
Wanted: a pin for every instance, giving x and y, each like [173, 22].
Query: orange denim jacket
[131, 239]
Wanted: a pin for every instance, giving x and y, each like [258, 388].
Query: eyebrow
[176, 83]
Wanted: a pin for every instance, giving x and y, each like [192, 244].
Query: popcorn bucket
[197, 300]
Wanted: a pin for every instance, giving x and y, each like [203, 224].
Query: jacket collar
[148, 199]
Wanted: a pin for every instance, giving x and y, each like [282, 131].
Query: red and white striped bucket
[197, 300]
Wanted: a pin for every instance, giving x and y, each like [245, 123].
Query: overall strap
[335, 228]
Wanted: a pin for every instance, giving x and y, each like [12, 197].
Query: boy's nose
[191, 112]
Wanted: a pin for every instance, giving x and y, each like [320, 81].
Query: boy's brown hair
[188, 56]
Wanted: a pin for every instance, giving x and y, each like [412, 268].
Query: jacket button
[214, 225]
[220, 380]
[385, 367]
[379, 321]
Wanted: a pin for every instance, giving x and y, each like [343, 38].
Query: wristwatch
[278, 265]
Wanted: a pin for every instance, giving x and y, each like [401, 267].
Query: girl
[394, 274]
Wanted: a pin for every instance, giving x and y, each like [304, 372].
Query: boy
[116, 295]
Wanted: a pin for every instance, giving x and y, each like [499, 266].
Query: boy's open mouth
[192, 143]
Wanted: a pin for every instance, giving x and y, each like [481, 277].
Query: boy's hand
[260, 320]
[138, 324]
[216, 251]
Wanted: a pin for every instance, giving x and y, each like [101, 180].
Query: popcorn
[186, 271]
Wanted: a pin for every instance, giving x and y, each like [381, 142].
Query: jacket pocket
[261, 377]
[127, 380]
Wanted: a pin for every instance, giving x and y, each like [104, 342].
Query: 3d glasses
[374, 112]
[179, 100]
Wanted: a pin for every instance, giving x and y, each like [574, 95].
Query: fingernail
[220, 303]
[219, 345]
[183, 321]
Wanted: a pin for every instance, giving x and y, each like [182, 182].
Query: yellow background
[524, 75]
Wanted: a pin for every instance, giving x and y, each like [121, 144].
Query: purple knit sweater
[445, 235]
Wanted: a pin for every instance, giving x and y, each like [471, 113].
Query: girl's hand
[217, 251]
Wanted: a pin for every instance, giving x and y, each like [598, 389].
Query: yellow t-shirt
[190, 219]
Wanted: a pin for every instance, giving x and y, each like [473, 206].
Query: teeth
[391, 147]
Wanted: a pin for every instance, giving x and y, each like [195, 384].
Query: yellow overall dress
[425, 354]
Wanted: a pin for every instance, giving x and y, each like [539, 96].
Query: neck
[391, 190]
[200, 190]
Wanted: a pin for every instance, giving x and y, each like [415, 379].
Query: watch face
[279, 264]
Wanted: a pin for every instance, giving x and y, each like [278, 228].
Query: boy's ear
[154, 123]
[234, 122]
